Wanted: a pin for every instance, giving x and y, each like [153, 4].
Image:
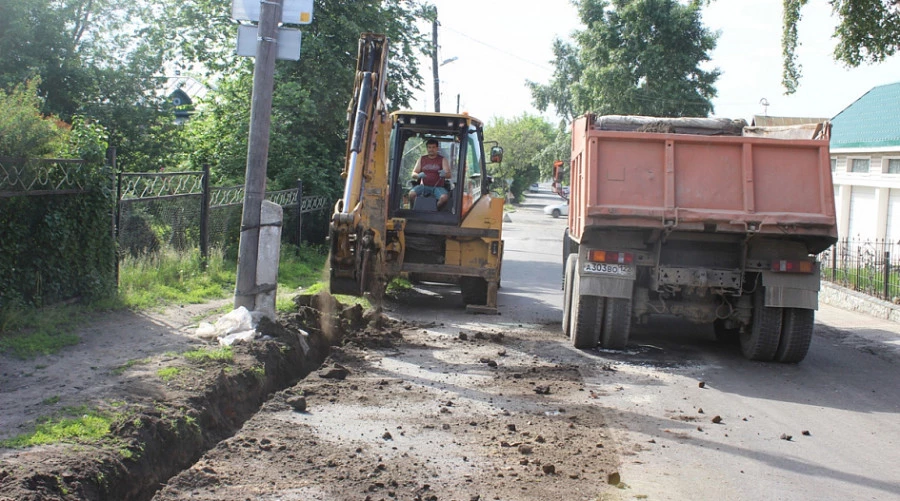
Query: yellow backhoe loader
[447, 231]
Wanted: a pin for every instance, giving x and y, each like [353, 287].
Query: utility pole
[257, 152]
[434, 63]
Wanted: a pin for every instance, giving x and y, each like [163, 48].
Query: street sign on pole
[292, 12]
[288, 44]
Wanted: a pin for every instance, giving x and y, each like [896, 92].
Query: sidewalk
[860, 324]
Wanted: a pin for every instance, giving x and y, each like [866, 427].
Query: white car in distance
[556, 210]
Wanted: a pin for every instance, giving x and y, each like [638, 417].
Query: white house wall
[867, 204]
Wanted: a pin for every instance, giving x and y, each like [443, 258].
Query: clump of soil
[166, 425]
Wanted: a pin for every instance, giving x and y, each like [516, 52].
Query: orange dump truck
[705, 219]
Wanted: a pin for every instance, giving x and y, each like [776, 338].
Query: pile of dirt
[164, 426]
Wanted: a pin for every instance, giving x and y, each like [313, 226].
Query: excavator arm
[356, 231]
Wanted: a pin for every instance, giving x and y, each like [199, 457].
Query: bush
[23, 131]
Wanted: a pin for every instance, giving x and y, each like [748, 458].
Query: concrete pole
[257, 152]
[434, 63]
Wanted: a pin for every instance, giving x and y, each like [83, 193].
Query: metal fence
[182, 211]
[868, 266]
[41, 176]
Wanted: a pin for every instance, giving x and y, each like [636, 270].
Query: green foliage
[309, 109]
[78, 425]
[168, 373]
[87, 52]
[868, 31]
[524, 140]
[87, 141]
[58, 247]
[220, 354]
[28, 332]
[23, 131]
[636, 57]
[129, 364]
[25, 345]
[172, 277]
[301, 266]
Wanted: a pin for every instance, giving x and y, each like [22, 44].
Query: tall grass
[171, 277]
[155, 281]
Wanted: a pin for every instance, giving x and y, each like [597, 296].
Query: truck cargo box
[709, 175]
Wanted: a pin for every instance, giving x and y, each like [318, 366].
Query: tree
[309, 110]
[97, 59]
[524, 140]
[636, 57]
[868, 31]
[84, 51]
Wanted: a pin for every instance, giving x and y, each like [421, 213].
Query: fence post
[117, 213]
[204, 217]
[858, 262]
[299, 213]
[834, 251]
[887, 275]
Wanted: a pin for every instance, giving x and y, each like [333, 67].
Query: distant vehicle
[557, 210]
[565, 191]
[534, 188]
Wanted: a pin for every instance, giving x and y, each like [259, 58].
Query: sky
[499, 44]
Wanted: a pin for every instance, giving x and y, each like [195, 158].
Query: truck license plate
[609, 269]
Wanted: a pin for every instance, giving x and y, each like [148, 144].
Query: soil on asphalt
[329, 403]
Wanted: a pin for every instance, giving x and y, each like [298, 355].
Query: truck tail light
[793, 266]
[602, 256]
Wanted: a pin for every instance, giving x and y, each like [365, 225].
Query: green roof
[872, 121]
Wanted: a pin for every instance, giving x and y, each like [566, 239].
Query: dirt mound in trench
[162, 427]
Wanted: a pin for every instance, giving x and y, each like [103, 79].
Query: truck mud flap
[791, 290]
[786, 297]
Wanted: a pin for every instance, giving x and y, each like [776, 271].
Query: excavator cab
[460, 139]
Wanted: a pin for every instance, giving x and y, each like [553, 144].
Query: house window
[859, 165]
[833, 164]
[893, 166]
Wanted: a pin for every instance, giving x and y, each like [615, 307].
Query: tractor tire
[616, 323]
[760, 342]
[796, 335]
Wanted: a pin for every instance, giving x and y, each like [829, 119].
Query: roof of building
[767, 121]
[872, 121]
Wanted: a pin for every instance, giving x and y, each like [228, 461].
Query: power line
[538, 65]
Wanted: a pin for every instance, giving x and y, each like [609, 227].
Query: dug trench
[377, 408]
[163, 427]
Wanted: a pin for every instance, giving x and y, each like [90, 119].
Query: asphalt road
[825, 429]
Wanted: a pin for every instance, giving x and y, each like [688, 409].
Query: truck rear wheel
[796, 335]
[760, 342]
[584, 331]
[474, 290]
[616, 323]
[569, 277]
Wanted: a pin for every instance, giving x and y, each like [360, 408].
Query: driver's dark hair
[432, 141]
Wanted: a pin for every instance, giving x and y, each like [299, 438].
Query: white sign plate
[288, 42]
[292, 11]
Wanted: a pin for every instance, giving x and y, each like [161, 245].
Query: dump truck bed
[700, 182]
